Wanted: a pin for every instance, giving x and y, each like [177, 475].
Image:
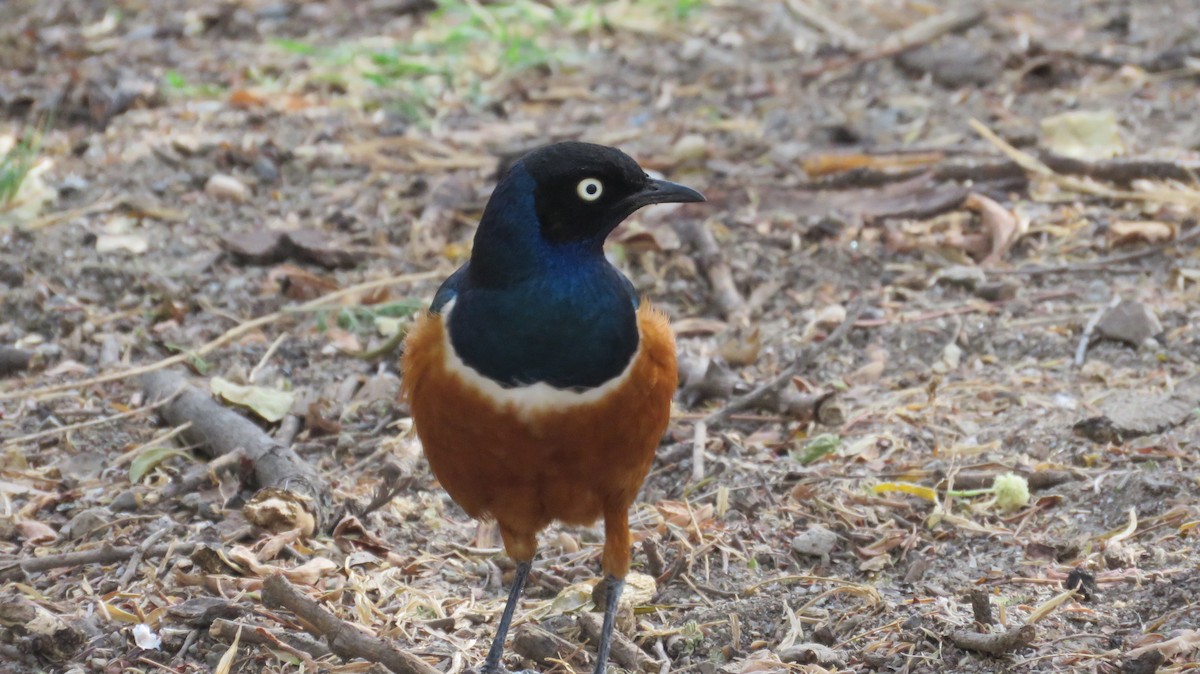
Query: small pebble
[223, 186]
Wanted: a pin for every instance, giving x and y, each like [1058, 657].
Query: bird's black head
[583, 191]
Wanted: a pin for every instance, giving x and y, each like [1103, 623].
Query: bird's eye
[589, 189]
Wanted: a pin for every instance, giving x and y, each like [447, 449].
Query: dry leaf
[35, 532]
[1002, 225]
[108, 243]
[1089, 135]
[244, 99]
[1124, 232]
[741, 348]
[269, 403]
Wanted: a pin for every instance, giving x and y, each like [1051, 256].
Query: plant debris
[937, 329]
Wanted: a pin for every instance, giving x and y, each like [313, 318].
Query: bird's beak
[665, 192]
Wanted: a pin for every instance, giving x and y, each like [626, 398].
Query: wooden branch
[912, 37]
[716, 269]
[817, 18]
[228, 336]
[996, 644]
[624, 652]
[1124, 171]
[105, 554]
[224, 630]
[1117, 171]
[1102, 264]
[344, 639]
[14, 360]
[784, 379]
[218, 431]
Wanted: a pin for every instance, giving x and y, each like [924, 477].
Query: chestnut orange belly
[529, 456]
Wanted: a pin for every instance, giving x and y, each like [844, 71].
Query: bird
[539, 383]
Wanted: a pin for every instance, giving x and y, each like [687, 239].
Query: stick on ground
[716, 269]
[999, 643]
[218, 430]
[344, 639]
[229, 335]
[624, 652]
[784, 378]
[105, 554]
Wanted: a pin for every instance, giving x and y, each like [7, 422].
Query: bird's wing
[449, 289]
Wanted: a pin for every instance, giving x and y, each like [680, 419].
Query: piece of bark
[14, 360]
[996, 644]
[1130, 414]
[50, 636]
[203, 611]
[314, 246]
[344, 639]
[218, 430]
[1146, 663]
[261, 246]
[622, 651]
[981, 606]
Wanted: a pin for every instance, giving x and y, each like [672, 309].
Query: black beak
[666, 192]
[657, 192]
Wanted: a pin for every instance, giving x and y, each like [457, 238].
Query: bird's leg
[611, 601]
[615, 562]
[492, 664]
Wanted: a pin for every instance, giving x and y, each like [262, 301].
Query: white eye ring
[589, 189]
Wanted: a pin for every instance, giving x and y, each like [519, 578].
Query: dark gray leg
[611, 601]
[492, 664]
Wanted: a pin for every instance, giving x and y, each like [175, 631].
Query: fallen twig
[912, 37]
[1085, 338]
[712, 262]
[1104, 263]
[105, 554]
[343, 638]
[136, 559]
[977, 307]
[784, 378]
[699, 440]
[59, 430]
[230, 335]
[998, 643]
[624, 652]
[296, 644]
[218, 430]
[1072, 183]
[817, 18]
[1117, 171]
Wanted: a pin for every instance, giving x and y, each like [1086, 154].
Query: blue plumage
[528, 310]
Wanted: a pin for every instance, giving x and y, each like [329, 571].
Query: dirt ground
[849, 160]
